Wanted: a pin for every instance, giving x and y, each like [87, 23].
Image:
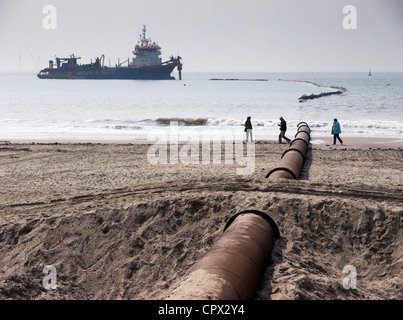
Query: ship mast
[143, 40]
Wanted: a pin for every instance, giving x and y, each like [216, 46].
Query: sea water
[130, 110]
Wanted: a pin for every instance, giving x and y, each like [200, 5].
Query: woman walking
[336, 130]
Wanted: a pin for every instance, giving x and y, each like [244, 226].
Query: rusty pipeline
[292, 160]
[303, 126]
[233, 267]
[303, 135]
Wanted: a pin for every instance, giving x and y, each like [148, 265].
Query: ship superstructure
[147, 53]
[145, 65]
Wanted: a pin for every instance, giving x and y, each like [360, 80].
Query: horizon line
[233, 71]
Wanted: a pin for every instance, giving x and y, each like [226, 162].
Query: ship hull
[105, 73]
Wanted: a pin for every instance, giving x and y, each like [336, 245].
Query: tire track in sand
[314, 189]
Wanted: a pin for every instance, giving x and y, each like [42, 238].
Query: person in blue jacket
[336, 130]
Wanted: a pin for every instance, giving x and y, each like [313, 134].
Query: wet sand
[117, 227]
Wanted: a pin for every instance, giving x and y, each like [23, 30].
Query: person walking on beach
[336, 130]
[283, 129]
[248, 129]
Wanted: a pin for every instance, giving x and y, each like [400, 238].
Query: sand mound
[129, 247]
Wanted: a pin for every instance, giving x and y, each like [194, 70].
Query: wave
[270, 126]
[230, 122]
[117, 124]
[224, 126]
[120, 127]
[183, 121]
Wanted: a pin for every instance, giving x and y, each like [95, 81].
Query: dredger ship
[145, 65]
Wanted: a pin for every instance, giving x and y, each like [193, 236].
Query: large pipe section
[233, 268]
[293, 158]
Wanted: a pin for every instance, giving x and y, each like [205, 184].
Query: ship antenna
[144, 31]
[144, 35]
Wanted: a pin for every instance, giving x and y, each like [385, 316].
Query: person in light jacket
[248, 129]
[336, 130]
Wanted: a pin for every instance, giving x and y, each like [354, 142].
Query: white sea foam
[317, 141]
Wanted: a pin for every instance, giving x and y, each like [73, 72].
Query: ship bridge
[147, 53]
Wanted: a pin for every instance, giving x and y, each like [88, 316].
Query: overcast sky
[209, 35]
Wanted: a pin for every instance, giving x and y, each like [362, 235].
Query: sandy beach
[115, 226]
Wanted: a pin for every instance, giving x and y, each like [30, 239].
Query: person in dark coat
[336, 130]
[283, 129]
[248, 129]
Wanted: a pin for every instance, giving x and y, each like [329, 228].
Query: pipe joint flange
[307, 145]
[282, 169]
[293, 149]
[304, 124]
[259, 213]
